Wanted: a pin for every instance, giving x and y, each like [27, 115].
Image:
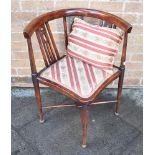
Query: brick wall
[25, 10]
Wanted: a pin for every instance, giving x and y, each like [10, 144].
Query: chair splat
[44, 54]
[47, 44]
[52, 40]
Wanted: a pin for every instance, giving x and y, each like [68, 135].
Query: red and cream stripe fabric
[93, 44]
[76, 75]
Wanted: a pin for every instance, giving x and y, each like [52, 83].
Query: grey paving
[61, 133]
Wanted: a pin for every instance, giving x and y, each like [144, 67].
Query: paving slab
[136, 147]
[61, 133]
[19, 146]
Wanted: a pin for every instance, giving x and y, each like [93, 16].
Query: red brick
[134, 66]
[15, 5]
[141, 82]
[19, 46]
[20, 55]
[134, 7]
[137, 57]
[134, 73]
[24, 72]
[134, 48]
[107, 6]
[132, 81]
[38, 55]
[37, 5]
[135, 39]
[57, 25]
[20, 63]
[13, 72]
[17, 27]
[40, 63]
[137, 29]
[140, 19]
[19, 17]
[61, 4]
[17, 37]
[131, 18]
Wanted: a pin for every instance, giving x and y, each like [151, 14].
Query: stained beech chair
[52, 59]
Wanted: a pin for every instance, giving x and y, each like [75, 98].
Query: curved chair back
[40, 26]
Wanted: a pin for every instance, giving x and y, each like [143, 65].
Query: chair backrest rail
[40, 20]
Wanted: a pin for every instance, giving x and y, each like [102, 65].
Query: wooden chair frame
[50, 55]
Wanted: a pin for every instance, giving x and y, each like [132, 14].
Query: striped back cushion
[94, 44]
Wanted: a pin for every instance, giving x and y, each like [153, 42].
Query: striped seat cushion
[94, 44]
[76, 75]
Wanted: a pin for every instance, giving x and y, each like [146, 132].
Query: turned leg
[84, 121]
[38, 99]
[119, 92]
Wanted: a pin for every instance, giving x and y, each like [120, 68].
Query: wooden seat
[65, 74]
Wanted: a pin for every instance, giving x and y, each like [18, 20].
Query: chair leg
[84, 120]
[38, 99]
[119, 92]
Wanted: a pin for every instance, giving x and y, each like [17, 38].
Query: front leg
[84, 120]
[38, 98]
[119, 91]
